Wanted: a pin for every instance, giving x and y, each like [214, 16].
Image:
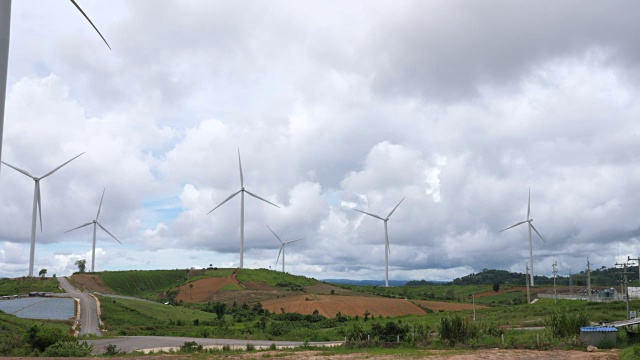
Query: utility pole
[588, 280]
[473, 296]
[638, 261]
[555, 273]
[625, 281]
[570, 283]
[526, 280]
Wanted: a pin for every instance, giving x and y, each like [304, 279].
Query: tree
[496, 287]
[42, 273]
[81, 264]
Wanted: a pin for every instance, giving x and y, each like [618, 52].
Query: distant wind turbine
[95, 222]
[241, 192]
[528, 221]
[37, 206]
[5, 32]
[386, 240]
[282, 246]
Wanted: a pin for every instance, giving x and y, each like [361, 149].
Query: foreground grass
[24, 285]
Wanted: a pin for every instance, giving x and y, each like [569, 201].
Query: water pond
[39, 308]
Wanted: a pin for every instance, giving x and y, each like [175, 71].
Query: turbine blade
[39, 201]
[240, 166]
[100, 206]
[394, 209]
[19, 170]
[370, 214]
[81, 226]
[274, 234]
[292, 241]
[529, 205]
[107, 231]
[258, 197]
[225, 200]
[90, 22]
[534, 229]
[512, 226]
[280, 252]
[58, 168]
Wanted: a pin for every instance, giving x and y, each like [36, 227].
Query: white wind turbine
[282, 246]
[37, 206]
[386, 240]
[529, 221]
[5, 31]
[241, 192]
[95, 222]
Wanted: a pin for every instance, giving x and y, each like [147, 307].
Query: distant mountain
[366, 282]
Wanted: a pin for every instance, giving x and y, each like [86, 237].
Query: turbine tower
[95, 222]
[282, 246]
[37, 206]
[241, 192]
[386, 240]
[530, 226]
[5, 31]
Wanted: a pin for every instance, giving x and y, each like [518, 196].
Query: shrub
[191, 347]
[112, 350]
[40, 338]
[456, 329]
[226, 347]
[250, 347]
[562, 324]
[68, 349]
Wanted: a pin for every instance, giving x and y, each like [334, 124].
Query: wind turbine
[241, 192]
[5, 32]
[95, 222]
[528, 221]
[282, 246]
[386, 240]
[37, 206]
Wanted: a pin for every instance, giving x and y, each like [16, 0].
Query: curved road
[89, 323]
[141, 343]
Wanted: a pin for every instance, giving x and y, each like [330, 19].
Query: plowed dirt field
[330, 305]
[204, 290]
[446, 306]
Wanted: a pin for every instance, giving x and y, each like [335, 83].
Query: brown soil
[446, 306]
[502, 291]
[90, 282]
[322, 288]
[330, 305]
[203, 290]
[492, 354]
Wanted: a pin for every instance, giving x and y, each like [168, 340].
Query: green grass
[273, 277]
[143, 284]
[25, 285]
[12, 327]
[231, 287]
[211, 273]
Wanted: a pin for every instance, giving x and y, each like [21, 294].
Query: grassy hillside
[274, 278]
[13, 329]
[144, 284]
[24, 285]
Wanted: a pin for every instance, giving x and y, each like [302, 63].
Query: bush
[68, 349]
[457, 329]
[630, 353]
[250, 347]
[191, 347]
[562, 324]
[40, 338]
[112, 350]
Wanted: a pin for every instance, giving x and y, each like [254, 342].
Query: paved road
[89, 323]
[139, 343]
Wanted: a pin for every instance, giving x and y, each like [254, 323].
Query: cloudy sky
[459, 106]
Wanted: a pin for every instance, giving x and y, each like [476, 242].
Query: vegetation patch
[143, 284]
[24, 285]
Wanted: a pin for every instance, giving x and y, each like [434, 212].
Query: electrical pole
[588, 280]
[570, 283]
[638, 261]
[473, 296]
[526, 280]
[555, 272]
[625, 281]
